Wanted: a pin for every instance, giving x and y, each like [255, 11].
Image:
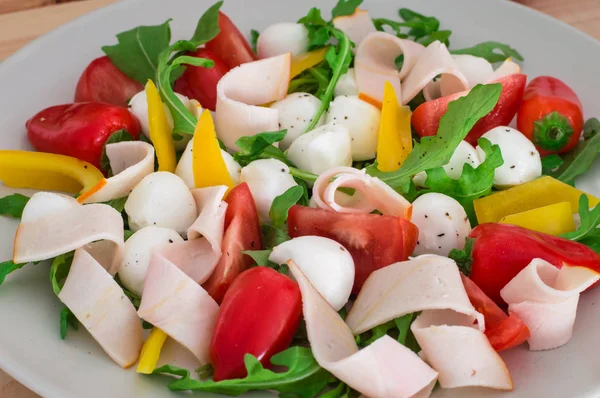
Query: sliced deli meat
[357, 26]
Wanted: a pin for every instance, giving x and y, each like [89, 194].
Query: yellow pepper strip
[151, 351]
[308, 60]
[48, 172]
[537, 193]
[207, 161]
[553, 219]
[395, 136]
[160, 131]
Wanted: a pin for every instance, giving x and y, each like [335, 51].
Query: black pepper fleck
[170, 240]
[513, 166]
[440, 235]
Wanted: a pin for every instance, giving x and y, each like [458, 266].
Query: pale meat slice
[130, 162]
[357, 26]
[508, 67]
[242, 91]
[371, 193]
[384, 369]
[546, 299]
[101, 306]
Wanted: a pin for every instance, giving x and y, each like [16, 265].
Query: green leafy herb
[550, 163]
[133, 297]
[414, 26]
[127, 234]
[117, 204]
[282, 204]
[492, 51]
[398, 328]
[253, 147]
[59, 270]
[303, 175]
[67, 318]
[260, 257]
[319, 30]
[254, 34]
[13, 205]
[6, 268]
[590, 219]
[117, 136]
[464, 257]
[345, 7]
[442, 36]
[273, 236]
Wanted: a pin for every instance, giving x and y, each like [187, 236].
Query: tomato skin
[79, 130]
[230, 44]
[242, 232]
[374, 241]
[259, 316]
[102, 81]
[201, 83]
[426, 118]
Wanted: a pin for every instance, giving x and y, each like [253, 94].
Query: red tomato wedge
[201, 83]
[259, 315]
[374, 241]
[230, 44]
[242, 232]
[503, 331]
[426, 118]
[102, 81]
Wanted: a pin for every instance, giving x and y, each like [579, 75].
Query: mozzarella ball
[281, 38]
[522, 162]
[161, 199]
[138, 250]
[322, 149]
[346, 85]
[296, 112]
[328, 266]
[463, 154]
[46, 204]
[362, 121]
[186, 172]
[476, 69]
[267, 179]
[443, 224]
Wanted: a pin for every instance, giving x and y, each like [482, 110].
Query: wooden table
[20, 28]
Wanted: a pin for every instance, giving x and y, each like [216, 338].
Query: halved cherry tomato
[426, 118]
[374, 241]
[259, 316]
[102, 81]
[242, 232]
[201, 83]
[230, 44]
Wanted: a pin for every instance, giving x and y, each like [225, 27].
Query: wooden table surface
[18, 29]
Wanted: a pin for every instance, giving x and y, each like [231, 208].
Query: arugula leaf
[138, 49]
[133, 297]
[550, 163]
[464, 257]
[117, 204]
[13, 205]
[117, 136]
[207, 27]
[398, 328]
[303, 175]
[254, 34]
[414, 26]
[303, 377]
[67, 318]
[252, 147]
[442, 36]
[304, 199]
[260, 257]
[59, 270]
[493, 51]
[319, 30]
[345, 7]
[127, 234]
[282, 204]
[590, 219]
[6, 268]
[273, 236]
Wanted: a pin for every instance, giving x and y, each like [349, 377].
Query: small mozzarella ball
[328, 266]
[186, 172]
[161, 199]
[45, 204]
[522, 162]
[476, 69]
[296, 112]
[362, 121]
[346, 84]
[138, 250]
[443, 224]
[267, 179]
[464, 154]
[281, 38]
[322, 149]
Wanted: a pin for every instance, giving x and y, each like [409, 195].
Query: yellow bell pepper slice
[160, 131]
[553, 219]
[207, 161]
[541, 192]
[395, 134]
[151, 351]
[48, 172]
[308, 60]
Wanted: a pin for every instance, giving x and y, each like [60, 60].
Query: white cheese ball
[322, 149]
[161, 199]
[362, 121]
[328, 266]
[296, 112]
[464, 154]
[281, 38]
[186, 172]
[46, 204]
[476, 69]
[346, 85]
[522, 162]
[443, 224]
[138, 250]
[267, 179]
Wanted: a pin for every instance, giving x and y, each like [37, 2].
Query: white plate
[45, 73]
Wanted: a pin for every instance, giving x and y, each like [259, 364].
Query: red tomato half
[374, 241]
[230, 44]
[102, 81]
[242, 232]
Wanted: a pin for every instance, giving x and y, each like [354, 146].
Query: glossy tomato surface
[230, 44]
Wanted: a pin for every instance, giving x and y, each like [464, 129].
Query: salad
[341, 207]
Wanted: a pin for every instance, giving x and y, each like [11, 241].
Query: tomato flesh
[230, 44]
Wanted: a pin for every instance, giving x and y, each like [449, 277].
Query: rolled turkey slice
[546, 299]
[384, 369]
[241, 92]
[357, 26]
[101, 306]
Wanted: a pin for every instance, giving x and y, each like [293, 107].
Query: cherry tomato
[230, 44]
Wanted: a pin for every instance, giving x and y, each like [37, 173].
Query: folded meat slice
[357, 26]
[546, 299]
